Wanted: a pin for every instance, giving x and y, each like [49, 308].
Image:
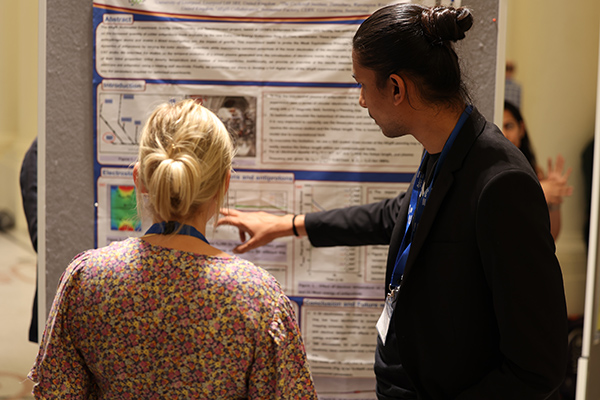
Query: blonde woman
[168, 315]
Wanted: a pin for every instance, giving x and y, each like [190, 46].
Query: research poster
[279, 76]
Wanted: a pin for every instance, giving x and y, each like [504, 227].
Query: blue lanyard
[165, 228]
[418, 199]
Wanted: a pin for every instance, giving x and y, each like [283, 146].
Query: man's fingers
[254, 228]
[230, 220]
[244, 247]
[237, 249]
[223, 221]
[229, 211]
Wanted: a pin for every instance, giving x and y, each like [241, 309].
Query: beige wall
[18, 96]
[555, 48]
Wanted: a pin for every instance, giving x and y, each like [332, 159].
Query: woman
[475, 305]
[554, 183]
[168, 315]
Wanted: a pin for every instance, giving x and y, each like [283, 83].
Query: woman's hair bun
[442, 24]
[185, 159]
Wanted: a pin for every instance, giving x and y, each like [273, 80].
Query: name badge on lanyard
[383, 323]
[418, 199]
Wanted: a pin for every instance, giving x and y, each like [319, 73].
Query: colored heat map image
[123, 214]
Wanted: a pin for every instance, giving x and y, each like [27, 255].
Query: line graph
[119, 122]
[271, 200]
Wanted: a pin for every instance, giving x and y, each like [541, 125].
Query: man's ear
[136, 179]
[399, 88]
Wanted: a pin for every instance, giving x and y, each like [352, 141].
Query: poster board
[281, 82]
[71, 119]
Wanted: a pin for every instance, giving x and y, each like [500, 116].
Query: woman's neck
[187, 243]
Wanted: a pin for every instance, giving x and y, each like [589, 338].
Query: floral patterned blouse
[137, 321]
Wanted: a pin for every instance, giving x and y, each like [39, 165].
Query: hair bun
[184, 158]
[441, 24]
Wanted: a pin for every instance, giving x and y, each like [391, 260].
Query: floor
[17, 285]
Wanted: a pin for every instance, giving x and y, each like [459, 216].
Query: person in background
[168, 315]
[554, 181]
[512, 89]
[28, 183]
[475, 305]
[587, 169]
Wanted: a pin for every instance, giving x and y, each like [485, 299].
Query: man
[475, 307]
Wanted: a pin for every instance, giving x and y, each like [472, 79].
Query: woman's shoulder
[245, 270]
[105, 256]
[244, 275]
[113, 247]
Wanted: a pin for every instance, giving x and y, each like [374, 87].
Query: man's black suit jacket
[481, 312]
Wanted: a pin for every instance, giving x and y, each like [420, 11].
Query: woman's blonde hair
[184, 159]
